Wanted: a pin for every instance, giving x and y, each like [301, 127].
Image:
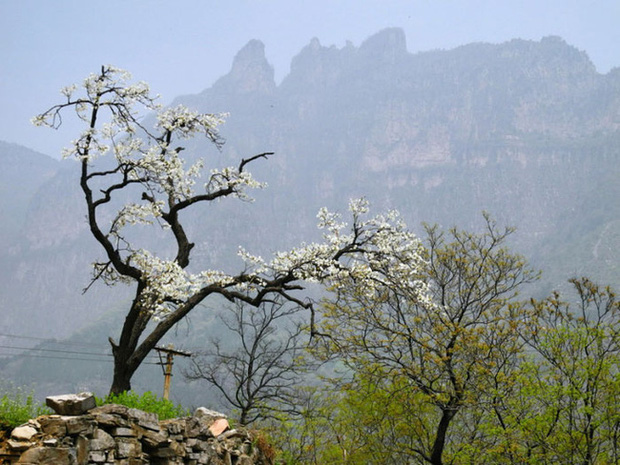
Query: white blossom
[167, 284]
[186, 123]
[232, 178]
[369, 251]
[68, 90]
[380, 251]
[134, 214]
[385, 252]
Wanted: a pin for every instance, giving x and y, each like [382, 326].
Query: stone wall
[115, 434]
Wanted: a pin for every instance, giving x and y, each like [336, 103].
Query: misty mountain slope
[527, 130]
[22, 171]
[45, 265]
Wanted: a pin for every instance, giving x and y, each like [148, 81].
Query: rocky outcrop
[386, 47]
[115, 434]
[250, 72]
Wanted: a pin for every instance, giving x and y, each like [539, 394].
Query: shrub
[147, 402]
[263, 443]
[16, 408]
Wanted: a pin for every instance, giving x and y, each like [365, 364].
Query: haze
[182, 47]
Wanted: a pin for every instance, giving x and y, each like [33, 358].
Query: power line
[70, 358]
[57, 342]
[61, 343]
[62, 358]
[55, 350]
[52, 340]
[34, 349]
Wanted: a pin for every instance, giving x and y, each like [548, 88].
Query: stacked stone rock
[82, 434]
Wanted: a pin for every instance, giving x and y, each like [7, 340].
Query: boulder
[71, 404]
[219, 426]
[48, 456]
[23, 433]
[202, 412]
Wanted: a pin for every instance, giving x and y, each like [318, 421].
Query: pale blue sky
[183, 46]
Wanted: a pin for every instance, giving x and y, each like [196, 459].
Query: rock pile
[82, 434]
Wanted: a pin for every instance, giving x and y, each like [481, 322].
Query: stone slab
[71, 404]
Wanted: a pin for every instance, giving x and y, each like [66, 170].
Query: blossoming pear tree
[144, 164]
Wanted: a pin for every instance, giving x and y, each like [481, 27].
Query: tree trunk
[447, 414]
[128, 354]
[123, 373]
[121, 382]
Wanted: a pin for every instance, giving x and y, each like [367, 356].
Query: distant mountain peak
[316, 63]
[387, 45]
[253, 51]
[250, 72]
[314, 45]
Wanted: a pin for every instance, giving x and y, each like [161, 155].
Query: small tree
[145, 165]
[574, 377]
[449, 349]
[258, 366]
[560, 403]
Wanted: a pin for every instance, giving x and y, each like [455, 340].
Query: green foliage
[444, 355]
[578, 348]
[147, 402]
[552, 401]
[17, 408]
[369, 420]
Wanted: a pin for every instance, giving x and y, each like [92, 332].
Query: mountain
[23, 171]
[526, 130]
[45, 260]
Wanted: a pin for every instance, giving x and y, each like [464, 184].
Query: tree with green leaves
[447, 350]
[552, 400]
[560, 403]
[575, 374]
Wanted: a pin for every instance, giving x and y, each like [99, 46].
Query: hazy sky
[183, 46]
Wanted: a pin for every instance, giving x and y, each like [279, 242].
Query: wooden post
[167, 365]
[167, 375]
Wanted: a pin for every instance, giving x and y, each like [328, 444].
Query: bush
[264, 444]
[147, 402]
[16, 408]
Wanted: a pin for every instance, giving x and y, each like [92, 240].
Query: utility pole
[167, 365]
